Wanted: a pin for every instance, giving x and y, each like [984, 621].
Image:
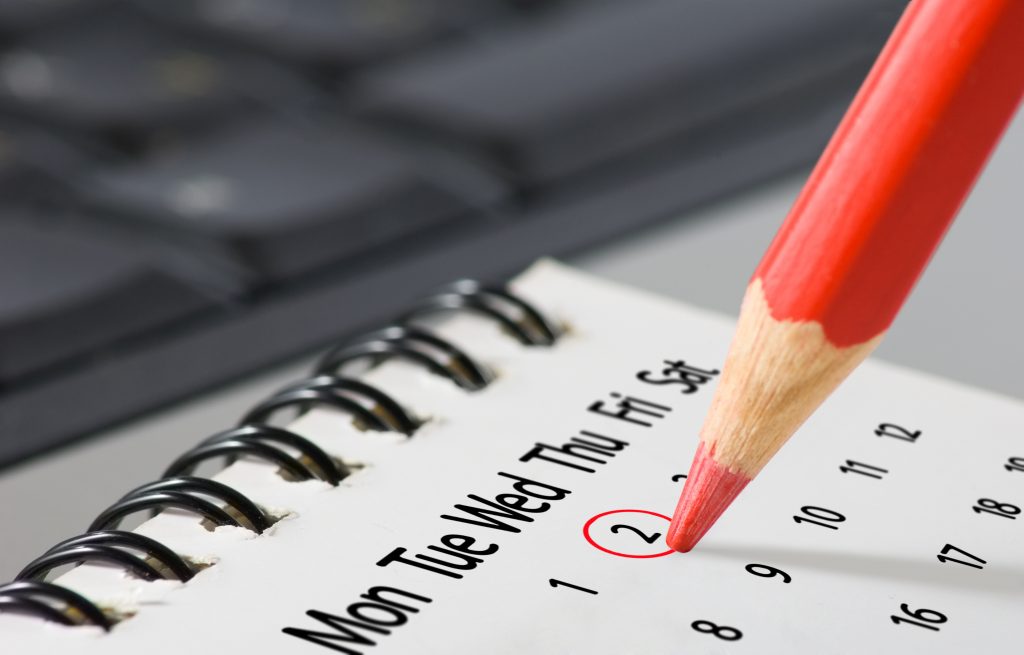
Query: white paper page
[859, 572]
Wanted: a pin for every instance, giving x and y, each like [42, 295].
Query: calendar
[530, 516]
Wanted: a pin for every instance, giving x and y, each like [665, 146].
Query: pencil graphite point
[710, 488]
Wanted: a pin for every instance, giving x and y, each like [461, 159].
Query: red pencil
[861, 232]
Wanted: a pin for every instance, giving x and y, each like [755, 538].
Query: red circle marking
[586, 532]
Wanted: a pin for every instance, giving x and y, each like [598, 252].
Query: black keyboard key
[18, 15]
[116, 71]
[35, 161]
[331, 32]
[591, 83]
[65, 294]
[282, 199]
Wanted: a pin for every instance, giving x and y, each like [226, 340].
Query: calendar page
[530, 517]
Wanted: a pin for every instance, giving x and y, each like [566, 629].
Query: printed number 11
[863, 469]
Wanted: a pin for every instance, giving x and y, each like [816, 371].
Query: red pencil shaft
[898, 167]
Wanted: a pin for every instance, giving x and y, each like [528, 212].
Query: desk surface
[962, 322]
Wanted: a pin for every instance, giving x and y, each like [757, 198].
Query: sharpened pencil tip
[710, 488]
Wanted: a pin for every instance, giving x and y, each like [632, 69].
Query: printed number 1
[557, 583]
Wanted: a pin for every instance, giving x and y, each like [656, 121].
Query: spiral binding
[253, 437]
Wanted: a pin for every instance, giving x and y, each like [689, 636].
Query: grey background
[962, 322]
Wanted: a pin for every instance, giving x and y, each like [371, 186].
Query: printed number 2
[648, 538]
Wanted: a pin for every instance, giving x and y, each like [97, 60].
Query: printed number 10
[820, 513]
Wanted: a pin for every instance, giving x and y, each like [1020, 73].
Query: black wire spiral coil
[254, 437]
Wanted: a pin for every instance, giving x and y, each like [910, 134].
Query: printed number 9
[723, 632]
[765, 571]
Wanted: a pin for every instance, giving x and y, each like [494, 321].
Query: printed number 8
[723, 632]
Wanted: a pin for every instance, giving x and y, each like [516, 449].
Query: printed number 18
[990, 506]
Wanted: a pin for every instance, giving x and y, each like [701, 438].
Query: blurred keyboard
[192, 189]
